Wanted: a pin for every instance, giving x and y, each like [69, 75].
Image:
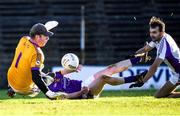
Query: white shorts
[88, 81]
[174, 78]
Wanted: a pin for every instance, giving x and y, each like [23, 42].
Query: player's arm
[41, 85]
[38, 81]
[144, 49]
[159, 59]
[77, 94]
[149, 74]
[152, 69]
[66, 71]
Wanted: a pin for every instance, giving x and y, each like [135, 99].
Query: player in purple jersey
[93, 86]
[167, 52]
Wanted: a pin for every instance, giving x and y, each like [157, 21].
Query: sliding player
[167, 52]
[93, 86]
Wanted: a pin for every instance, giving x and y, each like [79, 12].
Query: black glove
[136, 85]
[130, 56]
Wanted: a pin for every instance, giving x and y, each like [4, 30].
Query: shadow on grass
[117, 93]
[128, 93]
[3, 96]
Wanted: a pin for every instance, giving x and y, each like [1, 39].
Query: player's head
[40, 34]
[157, 28]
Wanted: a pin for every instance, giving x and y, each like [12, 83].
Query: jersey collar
[35, 44]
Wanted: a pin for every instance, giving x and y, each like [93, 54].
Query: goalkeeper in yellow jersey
[24, 74]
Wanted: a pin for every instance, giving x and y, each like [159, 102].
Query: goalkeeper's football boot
[10, 92]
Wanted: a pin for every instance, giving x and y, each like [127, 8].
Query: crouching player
[167, 52]
[93, 86]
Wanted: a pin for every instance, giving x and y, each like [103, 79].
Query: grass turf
[111, 103]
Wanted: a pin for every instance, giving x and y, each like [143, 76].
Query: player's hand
[85, 90]
[136, 85]
[78, 69]
[130, 56]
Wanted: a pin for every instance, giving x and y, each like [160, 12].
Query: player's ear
[37, 36]
[161, 33]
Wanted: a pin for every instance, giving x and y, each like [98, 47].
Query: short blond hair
[157, 22]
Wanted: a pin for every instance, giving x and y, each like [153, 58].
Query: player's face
[42, 40]
[155, 34]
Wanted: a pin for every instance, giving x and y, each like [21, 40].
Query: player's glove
[130, 56]
[136, 85]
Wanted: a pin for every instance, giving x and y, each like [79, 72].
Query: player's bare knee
[104, 78]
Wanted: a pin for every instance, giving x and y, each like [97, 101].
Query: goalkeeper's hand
[140, 84]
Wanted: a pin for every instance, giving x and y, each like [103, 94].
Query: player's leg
[97, 85]
[166, 90]
[34, 91]
[114, 68]
[174, 94]
[98, 80]
[122, 65]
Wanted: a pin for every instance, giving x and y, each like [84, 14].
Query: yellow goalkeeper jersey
[28, 56]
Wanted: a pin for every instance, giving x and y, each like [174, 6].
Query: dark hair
[157, 22]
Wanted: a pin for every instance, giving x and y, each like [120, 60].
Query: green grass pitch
[111, 103]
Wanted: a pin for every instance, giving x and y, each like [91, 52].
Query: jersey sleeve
[36, 62]
[161, 53]
[152, 44]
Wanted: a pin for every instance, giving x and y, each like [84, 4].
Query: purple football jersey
[64, 84]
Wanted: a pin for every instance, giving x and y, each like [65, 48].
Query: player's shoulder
[168, 37]
[166, 41]
[30, 45]
[25, 38]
